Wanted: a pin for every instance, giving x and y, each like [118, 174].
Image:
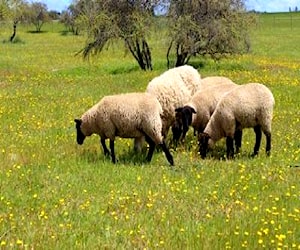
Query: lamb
[130, 115]
[202, 105]
[173, 88]
[247, 106]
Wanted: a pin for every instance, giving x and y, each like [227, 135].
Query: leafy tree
[36, 14]
[4, 10]
[68, 18]
[129, 20]
[12, 10]
[207, 27]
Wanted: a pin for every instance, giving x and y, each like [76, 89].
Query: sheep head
[80, 136]
[183, 119]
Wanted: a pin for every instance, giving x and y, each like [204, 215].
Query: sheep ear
[193, 110]
[178, 109]
[78, 121]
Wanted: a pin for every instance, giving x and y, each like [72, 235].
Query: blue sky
[258, 5]
[57, 5]
[272, 5]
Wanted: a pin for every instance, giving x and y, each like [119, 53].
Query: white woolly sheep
[199, 109]
[247, 106]
[129, 115]
[172, 88]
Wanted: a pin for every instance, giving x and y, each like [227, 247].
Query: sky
[272, 5]
[57, 5]
[258, 5]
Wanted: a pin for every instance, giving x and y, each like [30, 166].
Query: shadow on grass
[16, 40]
[197, 64]
[219, 153]
[127, 157]
[124, 69]
[36, 32]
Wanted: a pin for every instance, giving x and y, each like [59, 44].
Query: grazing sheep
[247, 106]
[126, 115]
[172, 88]
[199, 109]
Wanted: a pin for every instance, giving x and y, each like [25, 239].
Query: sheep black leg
[151, 148]
[203, 144]
[167, 153]
[176, 131]
[229, 146]
[238, 140]
[112, 150]
[268, 145]
[105, 149]
[257, 130]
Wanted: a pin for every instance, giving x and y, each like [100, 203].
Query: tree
[68, 18]
[128, 20]
[4, 10]
[54, 15]
[207, 27]
[12, 10]
[37, 14]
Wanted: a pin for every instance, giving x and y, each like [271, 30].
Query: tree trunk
[14, 31]
[141, 52]
[182, 57]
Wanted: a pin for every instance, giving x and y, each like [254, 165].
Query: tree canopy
[207, 27]
[105, 20]
[195, 27]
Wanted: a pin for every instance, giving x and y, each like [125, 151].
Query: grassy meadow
[55, 194]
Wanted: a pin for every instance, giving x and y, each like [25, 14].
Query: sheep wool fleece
[204, 102]
[125, 115]
[247, 106]
[173, 88]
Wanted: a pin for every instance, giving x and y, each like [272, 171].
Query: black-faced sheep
[199, 109]
[172, 88]
[130, 115]
[247, 106]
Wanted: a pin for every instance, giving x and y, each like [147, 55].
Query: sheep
[211, 81]
[128, 115]
[202, 105]
[172, 88]
[247, 106]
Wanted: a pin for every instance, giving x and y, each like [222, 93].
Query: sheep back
[125, 115]
[204, 102]
[171, 92]
[245, 106]
[190, 77]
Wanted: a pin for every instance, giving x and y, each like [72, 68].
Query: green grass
[55, 194]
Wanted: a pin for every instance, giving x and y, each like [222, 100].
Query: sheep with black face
[199, 109]
[130, 115]
[172, 89]
[247, 106]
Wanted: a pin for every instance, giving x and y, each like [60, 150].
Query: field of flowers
[55, 194]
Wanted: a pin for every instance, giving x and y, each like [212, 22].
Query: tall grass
[55, 194]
